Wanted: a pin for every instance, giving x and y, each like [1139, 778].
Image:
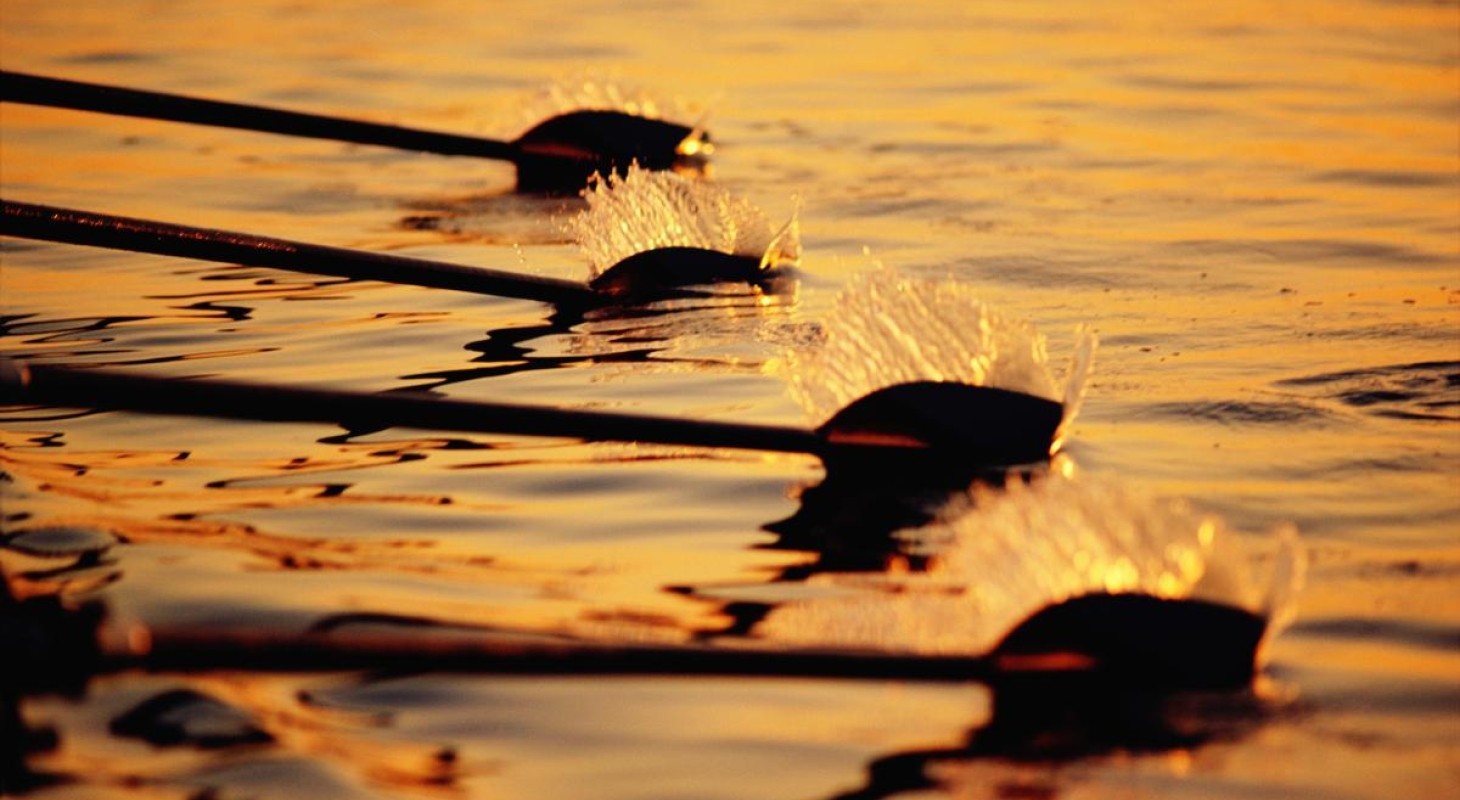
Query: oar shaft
[19, 87]
[493, 653]
[163, 238]
[99, 389]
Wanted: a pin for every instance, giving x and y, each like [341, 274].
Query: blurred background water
[1256, 206]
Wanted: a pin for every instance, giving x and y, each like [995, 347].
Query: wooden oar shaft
[493, 653]
[20, 87]
[163, 238]
[99, 389]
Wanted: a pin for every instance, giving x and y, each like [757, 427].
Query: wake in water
[1017, 549]
[645, 210]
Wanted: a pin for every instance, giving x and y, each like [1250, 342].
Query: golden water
[1254, 206]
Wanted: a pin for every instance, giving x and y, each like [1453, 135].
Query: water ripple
[1424, 391]
[1389, 178]
[1345, 252]
[1235, 412]
[1434, 636]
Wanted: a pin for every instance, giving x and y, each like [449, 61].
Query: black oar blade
[649, 273]
[560, 154]
[1136, 640]
[969, 429]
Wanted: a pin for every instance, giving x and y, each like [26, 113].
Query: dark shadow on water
[504, 352]
[502, 218]
[849, 522]
[1054, 723]
[1427, 391]
[50, 649]
[648, 328]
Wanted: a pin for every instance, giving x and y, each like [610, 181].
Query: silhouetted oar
[942, 426]
[558, 155]
[650, 274]
[1102, 639]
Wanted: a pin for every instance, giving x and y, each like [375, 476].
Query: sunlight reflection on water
[1266, 246]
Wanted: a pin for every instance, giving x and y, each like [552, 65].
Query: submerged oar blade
[560, 154]
[1136, 640]
[650, 272]
[959, 426]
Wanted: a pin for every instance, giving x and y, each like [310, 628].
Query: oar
[937, 426]
[1105, 639]
[558, 155]
[654, 273]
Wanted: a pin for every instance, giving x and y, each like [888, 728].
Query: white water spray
[645, 210]
[1021, 548]
[607, 91]
[887, 328]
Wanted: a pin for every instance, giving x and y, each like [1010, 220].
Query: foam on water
[1020, 548]
[644, 210]
[887, 328]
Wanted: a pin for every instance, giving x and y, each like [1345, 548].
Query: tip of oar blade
[1135, 640]
[941, 427]
[654, 273]
[561, 154]
[14, 375]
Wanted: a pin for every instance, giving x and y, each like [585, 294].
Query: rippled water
[1256, 208]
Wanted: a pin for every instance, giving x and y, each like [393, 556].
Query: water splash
[1019, 549]
[1284, 581]
[1077, 380]
[606, 91]
[644, 210]
[887, 328]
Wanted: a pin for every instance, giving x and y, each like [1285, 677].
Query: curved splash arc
[887, 328]
[1284, 582]
[1077, 380]
[646, 210]
[605, 91]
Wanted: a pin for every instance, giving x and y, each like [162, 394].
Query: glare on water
[1254, 208]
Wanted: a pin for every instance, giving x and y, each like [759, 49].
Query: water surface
[1256, 208]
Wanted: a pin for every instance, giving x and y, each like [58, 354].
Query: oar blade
[650, 272]
[1135, 640]
[940, 426]
[560, 154]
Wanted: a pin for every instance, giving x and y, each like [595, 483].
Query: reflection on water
[1265, 246]
[499, 218]
[1043, 728]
